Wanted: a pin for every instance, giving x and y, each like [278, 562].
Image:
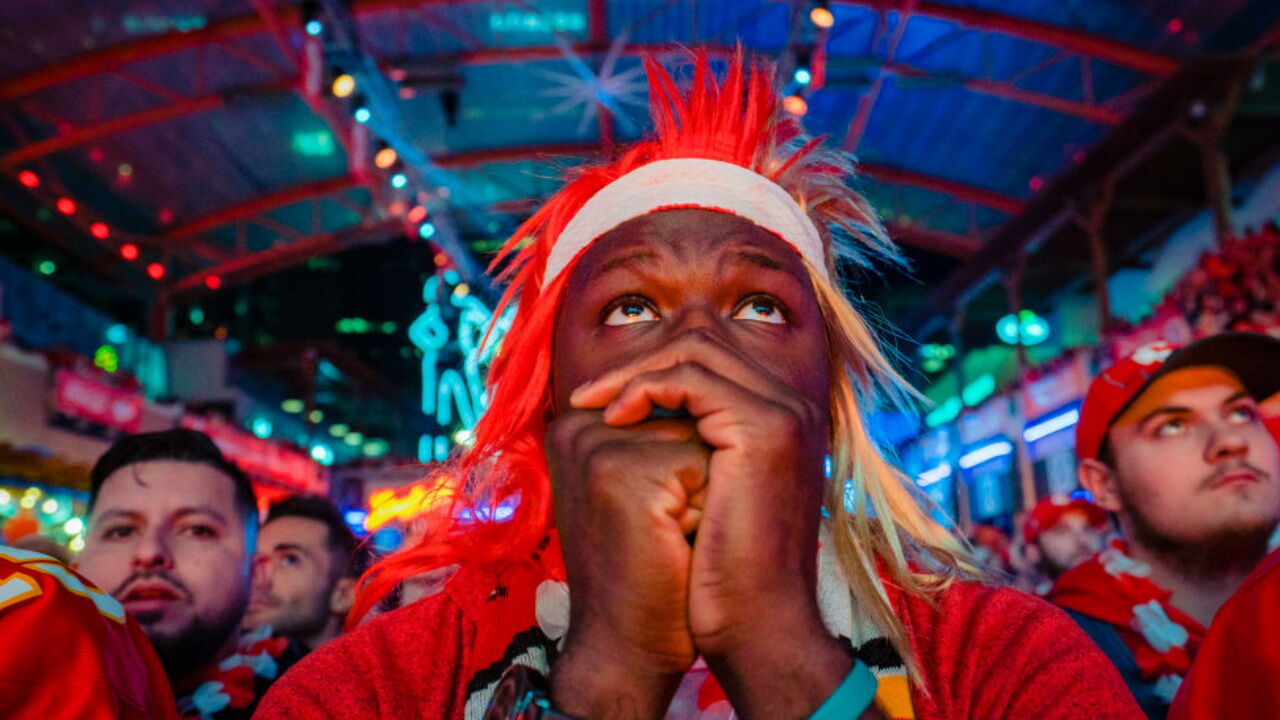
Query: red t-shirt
[1237, 671]
[986, 653]
[68, 651]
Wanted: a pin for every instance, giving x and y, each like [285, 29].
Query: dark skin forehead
[690, 261]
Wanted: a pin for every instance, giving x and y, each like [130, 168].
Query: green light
[979, 390]
[353, 439]
[375, 448]
[196, 315]
[47, 267]
[1032, 328]
[318, 143]
[338, 430]
[293, 405]
[106, 358]
[388, 327]
[316, 416]
[944, 413]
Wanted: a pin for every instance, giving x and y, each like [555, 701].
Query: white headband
[682, 183]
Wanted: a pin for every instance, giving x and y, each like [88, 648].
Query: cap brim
[1253, 357]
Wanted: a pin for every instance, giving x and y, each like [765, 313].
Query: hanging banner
[86, 398]
[1166, 325]
[1047, 390]
[262, 458]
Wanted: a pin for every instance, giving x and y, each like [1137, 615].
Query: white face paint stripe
[688, 183]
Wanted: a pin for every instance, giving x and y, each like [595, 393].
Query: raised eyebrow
[628, 261]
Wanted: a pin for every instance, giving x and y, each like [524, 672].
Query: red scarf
[1116, 589]
[232, 684]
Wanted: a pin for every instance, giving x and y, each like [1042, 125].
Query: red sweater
[1235, 673]
[986, 653]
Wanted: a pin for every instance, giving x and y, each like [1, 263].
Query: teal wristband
[852, 698]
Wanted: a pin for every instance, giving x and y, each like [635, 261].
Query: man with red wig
[681, 366]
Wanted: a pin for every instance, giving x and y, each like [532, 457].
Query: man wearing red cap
[1060, 533]
[1171, 441]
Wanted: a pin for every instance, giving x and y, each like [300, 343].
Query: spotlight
[426, 231]
[129, 251]
[343, 85]
[385, 158]
[821, 16]
[795, 105]
[363, 114]
[28, 179]
[399, 180]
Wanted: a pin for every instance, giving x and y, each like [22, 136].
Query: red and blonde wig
[738, 120]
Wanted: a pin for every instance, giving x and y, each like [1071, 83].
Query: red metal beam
[1076, 41]
[250, 209]
[253, 265]
[1008, 91]
[106, 59]
[961, 247]
[114, 126]
[264, 203]
[960, 191]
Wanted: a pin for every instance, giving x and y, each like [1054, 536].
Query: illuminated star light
[590, 90]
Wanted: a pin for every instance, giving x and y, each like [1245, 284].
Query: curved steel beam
[247, 210]
[1065, 38]
[106, 59]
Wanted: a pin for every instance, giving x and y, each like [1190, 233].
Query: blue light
[262, 427]
[117, 334]
[363, 114]
[426, 231]
[356, 518]
[322, 454]
[314, 27]
[803, 76]
[399, 180]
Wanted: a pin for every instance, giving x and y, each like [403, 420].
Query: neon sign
[407, 503]
[450, 393]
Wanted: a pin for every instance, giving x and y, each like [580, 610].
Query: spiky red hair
[737, 120]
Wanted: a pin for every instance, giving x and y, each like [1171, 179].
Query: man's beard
[1225, 551]
[189, 649]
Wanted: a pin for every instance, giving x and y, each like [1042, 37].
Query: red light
[213, 282]
[417, 214]
[66, 206]
[129, 251]
[1175, 26]
[28, 178]
[1036, 183]
[155, 270]
[99, 230]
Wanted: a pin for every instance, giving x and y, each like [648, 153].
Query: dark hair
[179, 444]
[343, 544]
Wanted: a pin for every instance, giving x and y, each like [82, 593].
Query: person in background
[1059, 533]
[172, 526]
[70, 651]
[305, 571]
[1171, 442]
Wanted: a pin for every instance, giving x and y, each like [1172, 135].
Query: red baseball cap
[1253, 357]
[1049, 512]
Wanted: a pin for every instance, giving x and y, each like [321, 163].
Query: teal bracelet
[852, 698]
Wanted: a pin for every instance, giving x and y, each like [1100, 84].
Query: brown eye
[630, 311]
[760, 308]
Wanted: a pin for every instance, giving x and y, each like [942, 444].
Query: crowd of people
[705, 527]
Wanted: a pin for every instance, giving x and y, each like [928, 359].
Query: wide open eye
[630, 310]
[761, 308]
